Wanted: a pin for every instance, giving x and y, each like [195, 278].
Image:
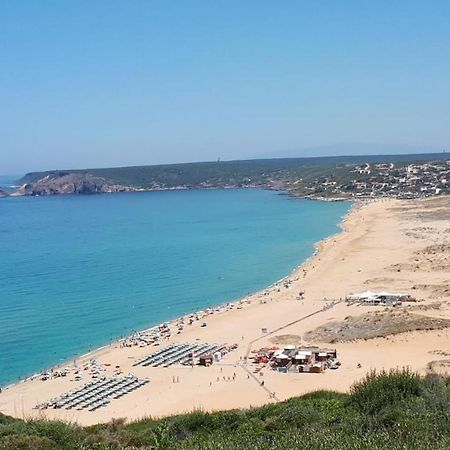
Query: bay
[79, 271]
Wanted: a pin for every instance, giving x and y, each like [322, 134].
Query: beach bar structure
[382, 298]
[303, 359]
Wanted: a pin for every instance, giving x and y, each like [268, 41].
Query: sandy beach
[393, 245]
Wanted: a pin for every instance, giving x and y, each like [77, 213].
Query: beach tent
[390, 295]
[362, 295]
[367, 296]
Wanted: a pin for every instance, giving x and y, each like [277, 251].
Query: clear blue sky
[101, 83]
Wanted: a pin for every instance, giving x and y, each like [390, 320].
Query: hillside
[395, 410]
[327, 176]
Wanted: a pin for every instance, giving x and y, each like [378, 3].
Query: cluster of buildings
[404, 181]
[298, 359]
[373, 180]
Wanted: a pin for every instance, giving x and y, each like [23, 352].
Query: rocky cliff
[70, 183]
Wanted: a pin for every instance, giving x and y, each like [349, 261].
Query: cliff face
[70, 183]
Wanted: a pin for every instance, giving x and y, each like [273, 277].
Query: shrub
[63, 434]
[385, 389]
[26, 442]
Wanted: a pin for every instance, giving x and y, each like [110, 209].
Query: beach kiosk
[206, 360]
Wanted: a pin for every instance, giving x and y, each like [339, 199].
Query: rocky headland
[71, 183]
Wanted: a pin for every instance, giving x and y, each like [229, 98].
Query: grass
[388, 410]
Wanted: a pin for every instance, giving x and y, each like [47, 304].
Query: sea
[8, 182]
[77, 271]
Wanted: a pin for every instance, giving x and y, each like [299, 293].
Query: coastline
[376, 238]
[223, 307]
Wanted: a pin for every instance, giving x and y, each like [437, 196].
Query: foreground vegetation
[388, 410]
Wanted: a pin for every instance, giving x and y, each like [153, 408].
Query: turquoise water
[78, 271]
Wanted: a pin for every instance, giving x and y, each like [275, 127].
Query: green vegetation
[387, 410]
[260, 172]
[207, 173]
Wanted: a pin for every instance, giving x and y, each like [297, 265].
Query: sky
[110, 83]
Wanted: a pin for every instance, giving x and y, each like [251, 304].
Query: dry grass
[285, 339]
[373, 325]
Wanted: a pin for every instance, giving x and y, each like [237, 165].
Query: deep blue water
[77, 271]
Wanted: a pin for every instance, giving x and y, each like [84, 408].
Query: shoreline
[354, 204]
[268, 187]
[376, 239]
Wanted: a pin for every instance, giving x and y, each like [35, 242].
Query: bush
[63, 434]
[377, 391]
[25, 442]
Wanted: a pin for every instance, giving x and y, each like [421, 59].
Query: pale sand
[376, 236]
